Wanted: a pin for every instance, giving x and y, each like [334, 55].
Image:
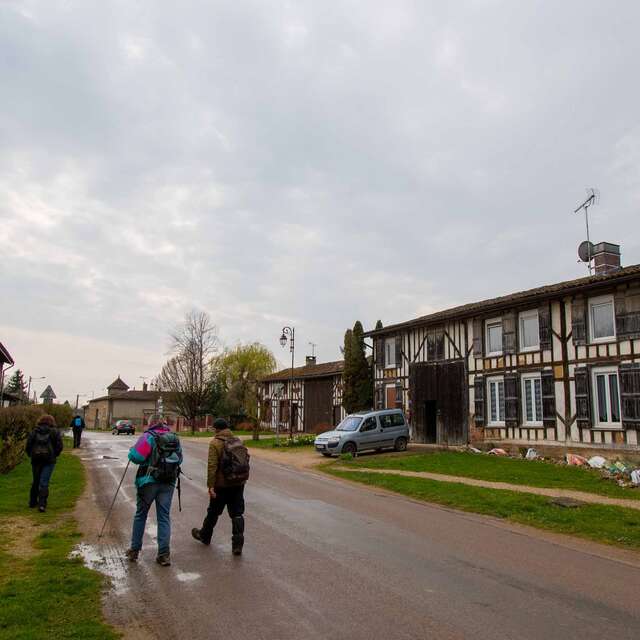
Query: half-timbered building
[315, 392]
[556, 365]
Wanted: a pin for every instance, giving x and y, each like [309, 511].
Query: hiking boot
[132, 555]
[164, 560]
[195, 532]
[237, 538]
[42, 509]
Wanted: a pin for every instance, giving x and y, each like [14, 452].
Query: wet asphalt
[328, 559]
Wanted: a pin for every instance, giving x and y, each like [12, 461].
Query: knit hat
[220, 423]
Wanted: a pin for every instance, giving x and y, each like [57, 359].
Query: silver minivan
[365, 431]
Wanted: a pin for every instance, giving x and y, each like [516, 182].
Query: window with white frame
[606, 397]
[602, 324]
[495, 393]
[529, 331]
[493, 337]
[390, 352]
[532, 399]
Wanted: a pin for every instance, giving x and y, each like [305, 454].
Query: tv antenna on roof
[313, 346]
[585, 250]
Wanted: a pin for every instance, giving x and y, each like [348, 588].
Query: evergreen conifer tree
[379, 325]
[17, 384]
[348, 389]
[363, 374]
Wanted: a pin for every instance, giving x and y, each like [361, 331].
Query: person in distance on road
[44, 445]
[77, 425]
[159, 456]
[227, 473]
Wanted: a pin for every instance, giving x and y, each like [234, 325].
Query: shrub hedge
[15, 425]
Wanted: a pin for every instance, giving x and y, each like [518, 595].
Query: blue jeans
[161, 493]
[40, 486]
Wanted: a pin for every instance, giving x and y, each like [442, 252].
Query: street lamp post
[29, 386]
[291, 332]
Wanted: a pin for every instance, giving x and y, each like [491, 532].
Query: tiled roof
[5, 356]
[521, 297]
[131, 395]
[118, 383]
[308, 371]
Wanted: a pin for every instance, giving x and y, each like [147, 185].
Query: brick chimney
[311, 360]
[606, 258]
[144, 386]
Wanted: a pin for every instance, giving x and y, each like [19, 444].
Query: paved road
[325, 559]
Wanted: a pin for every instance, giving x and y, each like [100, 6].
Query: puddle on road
[106, 559]
[187, 577]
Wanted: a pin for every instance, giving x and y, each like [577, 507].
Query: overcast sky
[307, 163]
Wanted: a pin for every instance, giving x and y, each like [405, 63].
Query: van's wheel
[350, 447]
[400, 444]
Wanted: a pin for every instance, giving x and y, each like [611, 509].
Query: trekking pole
[114, 499]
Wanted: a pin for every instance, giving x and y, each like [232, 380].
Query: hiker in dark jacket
[223, 491]
[77, 425]
[44, 445]
[153, 486]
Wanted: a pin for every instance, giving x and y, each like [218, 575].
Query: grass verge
[44, 593]
[611, 525]
[532, 473]
[299, 443]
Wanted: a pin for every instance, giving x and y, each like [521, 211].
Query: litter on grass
[531, 454]
[498, 452]
[597, 462]
[576, 460]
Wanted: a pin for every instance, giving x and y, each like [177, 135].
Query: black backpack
[234, 461]
[42, 446]
[164, 465]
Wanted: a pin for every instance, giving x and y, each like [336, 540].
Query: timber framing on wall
[541, 347]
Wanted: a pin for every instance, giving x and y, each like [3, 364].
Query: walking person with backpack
[159, 455]
[227, 473]
[44, 445]
[77, 425]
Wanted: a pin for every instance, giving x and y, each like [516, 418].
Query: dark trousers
[233, 499]
[40, 486]
[77, 436]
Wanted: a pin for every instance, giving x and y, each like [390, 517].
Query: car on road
[365, 431]
[123, 426]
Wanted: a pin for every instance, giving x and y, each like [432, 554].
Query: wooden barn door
[452, 403]
[438, 402]
[318, 405]
[423, 387]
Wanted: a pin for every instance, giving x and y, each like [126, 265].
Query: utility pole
[291, 332]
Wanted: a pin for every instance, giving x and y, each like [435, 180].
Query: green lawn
[300, 443]
[44, 593]
[210, 434]
[534, 473]
[611, 525]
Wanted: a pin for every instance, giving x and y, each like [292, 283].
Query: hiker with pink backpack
[227, 473]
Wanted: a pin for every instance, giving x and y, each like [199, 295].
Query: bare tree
[186, 375]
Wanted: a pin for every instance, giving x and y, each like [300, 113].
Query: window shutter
[583, 397]
[511, 399]
[380, 352]
[478, 387]
[398, 351]
[477, 337]
[380, 398]
[578, 322]
[627, 318]
[509, 334]
[630, 394]
[548, 398]
[544, 327]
